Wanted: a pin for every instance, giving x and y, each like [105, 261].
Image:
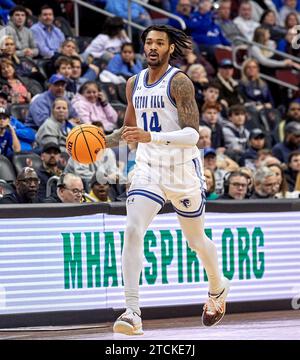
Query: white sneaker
[129, 323]
[215, 307]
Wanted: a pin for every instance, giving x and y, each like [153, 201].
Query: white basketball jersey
[155, 110]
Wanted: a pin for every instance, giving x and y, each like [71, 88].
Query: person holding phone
[9, 142]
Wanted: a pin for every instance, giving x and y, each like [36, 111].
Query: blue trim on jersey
[156, 82]
[148, 194]
[136, 81]
[192, 213]
[198, 171]
[169, 88]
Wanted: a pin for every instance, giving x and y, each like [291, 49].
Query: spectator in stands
[210, 185]
[69, 190]
[9, 142]
[290, 143]
[285, 44]
[293, 114]
[268, 21]
[24, 66]
[50, 157]
[198, 75]
[283, 192]
[211, 93]
[265, 57]
[100, 190]
[235, 134]
[5, 7]
[56, 128]
[204, 137]
[138, 12]
[191, 57]
[235, 186]
[68, 49]
[207, 34]
[229, 94]
[266, 184]
[46, 35]
[16, 87]
[110, 41]
[40, 107]
[63, 66]
[91, 105]
[210, 162]
[184, 10]
[125, 64]
[223, 19]
[257, 140]
[25, 134]
[77, 79]
[291, 20]
[210, 114]
[289, 7]
[293, 169]
[253, 89]
[244, 21]
[27, 185]
[250, 175]
[23, 37]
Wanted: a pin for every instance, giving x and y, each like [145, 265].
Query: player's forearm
[113, 139]
[187, 137]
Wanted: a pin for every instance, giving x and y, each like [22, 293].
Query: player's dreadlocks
[176, 37]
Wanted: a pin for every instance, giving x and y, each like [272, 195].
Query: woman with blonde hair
[265, 57]
[198, 75]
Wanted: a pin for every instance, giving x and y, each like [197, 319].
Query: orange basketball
[85, 142]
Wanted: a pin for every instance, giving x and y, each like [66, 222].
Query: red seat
[221, 53]
[288, 76]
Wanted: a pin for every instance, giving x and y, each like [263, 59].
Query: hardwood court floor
[273, 325]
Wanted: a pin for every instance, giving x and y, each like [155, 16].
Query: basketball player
[162, 117]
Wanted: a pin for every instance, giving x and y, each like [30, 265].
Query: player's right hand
[132, 134]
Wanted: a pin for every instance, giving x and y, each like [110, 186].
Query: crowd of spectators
[51, 81]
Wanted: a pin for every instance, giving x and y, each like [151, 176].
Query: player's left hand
[132, 134]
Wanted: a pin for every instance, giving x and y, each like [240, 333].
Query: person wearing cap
[235, 134]
[229, 94]
[257, 141]
[40, 107]
[25, 134]
[9, 142]
[223, 19]
[210, 162]
[56, 128]
[27, 184]
[290, 143]
[47, 36]
[50, 157]
[100, 189]
[25, 44]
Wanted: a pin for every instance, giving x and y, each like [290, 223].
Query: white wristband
[186, 137]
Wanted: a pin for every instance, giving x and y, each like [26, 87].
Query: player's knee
[133, 233]
[196, 243]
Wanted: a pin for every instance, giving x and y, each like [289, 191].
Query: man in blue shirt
[9, 141]
[40, 108]
[47, 36]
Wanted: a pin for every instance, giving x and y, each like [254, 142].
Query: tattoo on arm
[182, 90]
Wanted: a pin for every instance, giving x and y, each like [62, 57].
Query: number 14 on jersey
[154, 124]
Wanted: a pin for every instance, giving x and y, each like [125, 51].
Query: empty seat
[222, 53]
[5, 188]
[26, 159]
[288, 76]
[7, 171]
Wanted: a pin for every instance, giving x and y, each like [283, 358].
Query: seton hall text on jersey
[145, 101]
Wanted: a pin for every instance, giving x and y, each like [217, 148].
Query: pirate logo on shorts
[186, 203]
